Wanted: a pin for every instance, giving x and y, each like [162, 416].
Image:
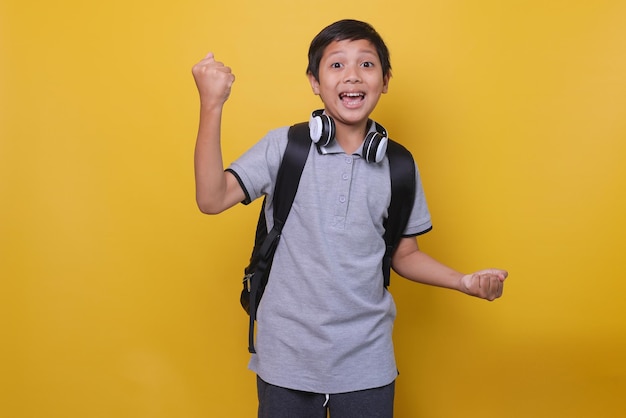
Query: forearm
[208, 163]
[422, 268]
[409, 262]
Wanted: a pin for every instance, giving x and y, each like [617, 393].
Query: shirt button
[345, 176]
[342, 199]
[348, 160]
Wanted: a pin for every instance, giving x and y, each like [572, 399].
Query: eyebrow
[361, 52]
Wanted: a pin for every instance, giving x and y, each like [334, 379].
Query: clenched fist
[485, 284]
[214, 81]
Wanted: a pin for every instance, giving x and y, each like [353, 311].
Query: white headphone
[322, 131]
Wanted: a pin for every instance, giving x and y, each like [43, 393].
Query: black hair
[342, 30]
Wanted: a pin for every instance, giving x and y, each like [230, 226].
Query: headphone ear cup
[315, 128]
[321, 128]
[328, 130]
[374, 147]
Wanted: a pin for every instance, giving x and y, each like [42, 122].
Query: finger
[502, 274]
[493, 271]
[207, 62]
[208, 59]
[496, 287]
[222, 68]
[478, 286]
[493, 286]
[487, 285]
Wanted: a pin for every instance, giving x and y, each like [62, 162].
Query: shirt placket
[343, 192]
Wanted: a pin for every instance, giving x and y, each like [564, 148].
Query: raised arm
[413, 264]
[216, 190]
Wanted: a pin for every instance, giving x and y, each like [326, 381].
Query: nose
[352, 74]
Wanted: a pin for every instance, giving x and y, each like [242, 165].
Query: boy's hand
[214, 81]
[486, 284]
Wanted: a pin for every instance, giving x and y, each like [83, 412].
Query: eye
[367, 64]
[335, 65]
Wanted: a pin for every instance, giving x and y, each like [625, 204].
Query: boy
[324, 325]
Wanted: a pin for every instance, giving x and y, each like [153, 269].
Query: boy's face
[350, 81]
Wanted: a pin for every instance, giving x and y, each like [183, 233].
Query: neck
[350, 137]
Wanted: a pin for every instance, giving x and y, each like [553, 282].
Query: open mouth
[351, 97]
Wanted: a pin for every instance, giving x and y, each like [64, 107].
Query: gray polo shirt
[325, 322]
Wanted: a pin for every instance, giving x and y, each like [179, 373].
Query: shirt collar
[335, 148]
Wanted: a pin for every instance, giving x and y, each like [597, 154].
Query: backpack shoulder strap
[402, 173]
[287, 180]
[290, 172]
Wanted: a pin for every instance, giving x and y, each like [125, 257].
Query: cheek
[326, 89]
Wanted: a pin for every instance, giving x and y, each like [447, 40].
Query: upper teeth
[351, 94]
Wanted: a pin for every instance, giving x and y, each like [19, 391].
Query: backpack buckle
[247, 279]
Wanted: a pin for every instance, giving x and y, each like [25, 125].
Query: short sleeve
[257, 168]
[419, 222]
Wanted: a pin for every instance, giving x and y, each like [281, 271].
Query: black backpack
[402, 172]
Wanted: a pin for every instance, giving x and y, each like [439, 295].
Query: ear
[315, 85]
[386, 79]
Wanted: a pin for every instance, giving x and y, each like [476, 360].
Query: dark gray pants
[277, 402]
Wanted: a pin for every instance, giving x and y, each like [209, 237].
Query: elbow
[208, 208]
[208, 211]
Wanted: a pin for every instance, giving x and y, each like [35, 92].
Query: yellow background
[119, 299]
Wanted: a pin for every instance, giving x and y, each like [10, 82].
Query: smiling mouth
[351, 97]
